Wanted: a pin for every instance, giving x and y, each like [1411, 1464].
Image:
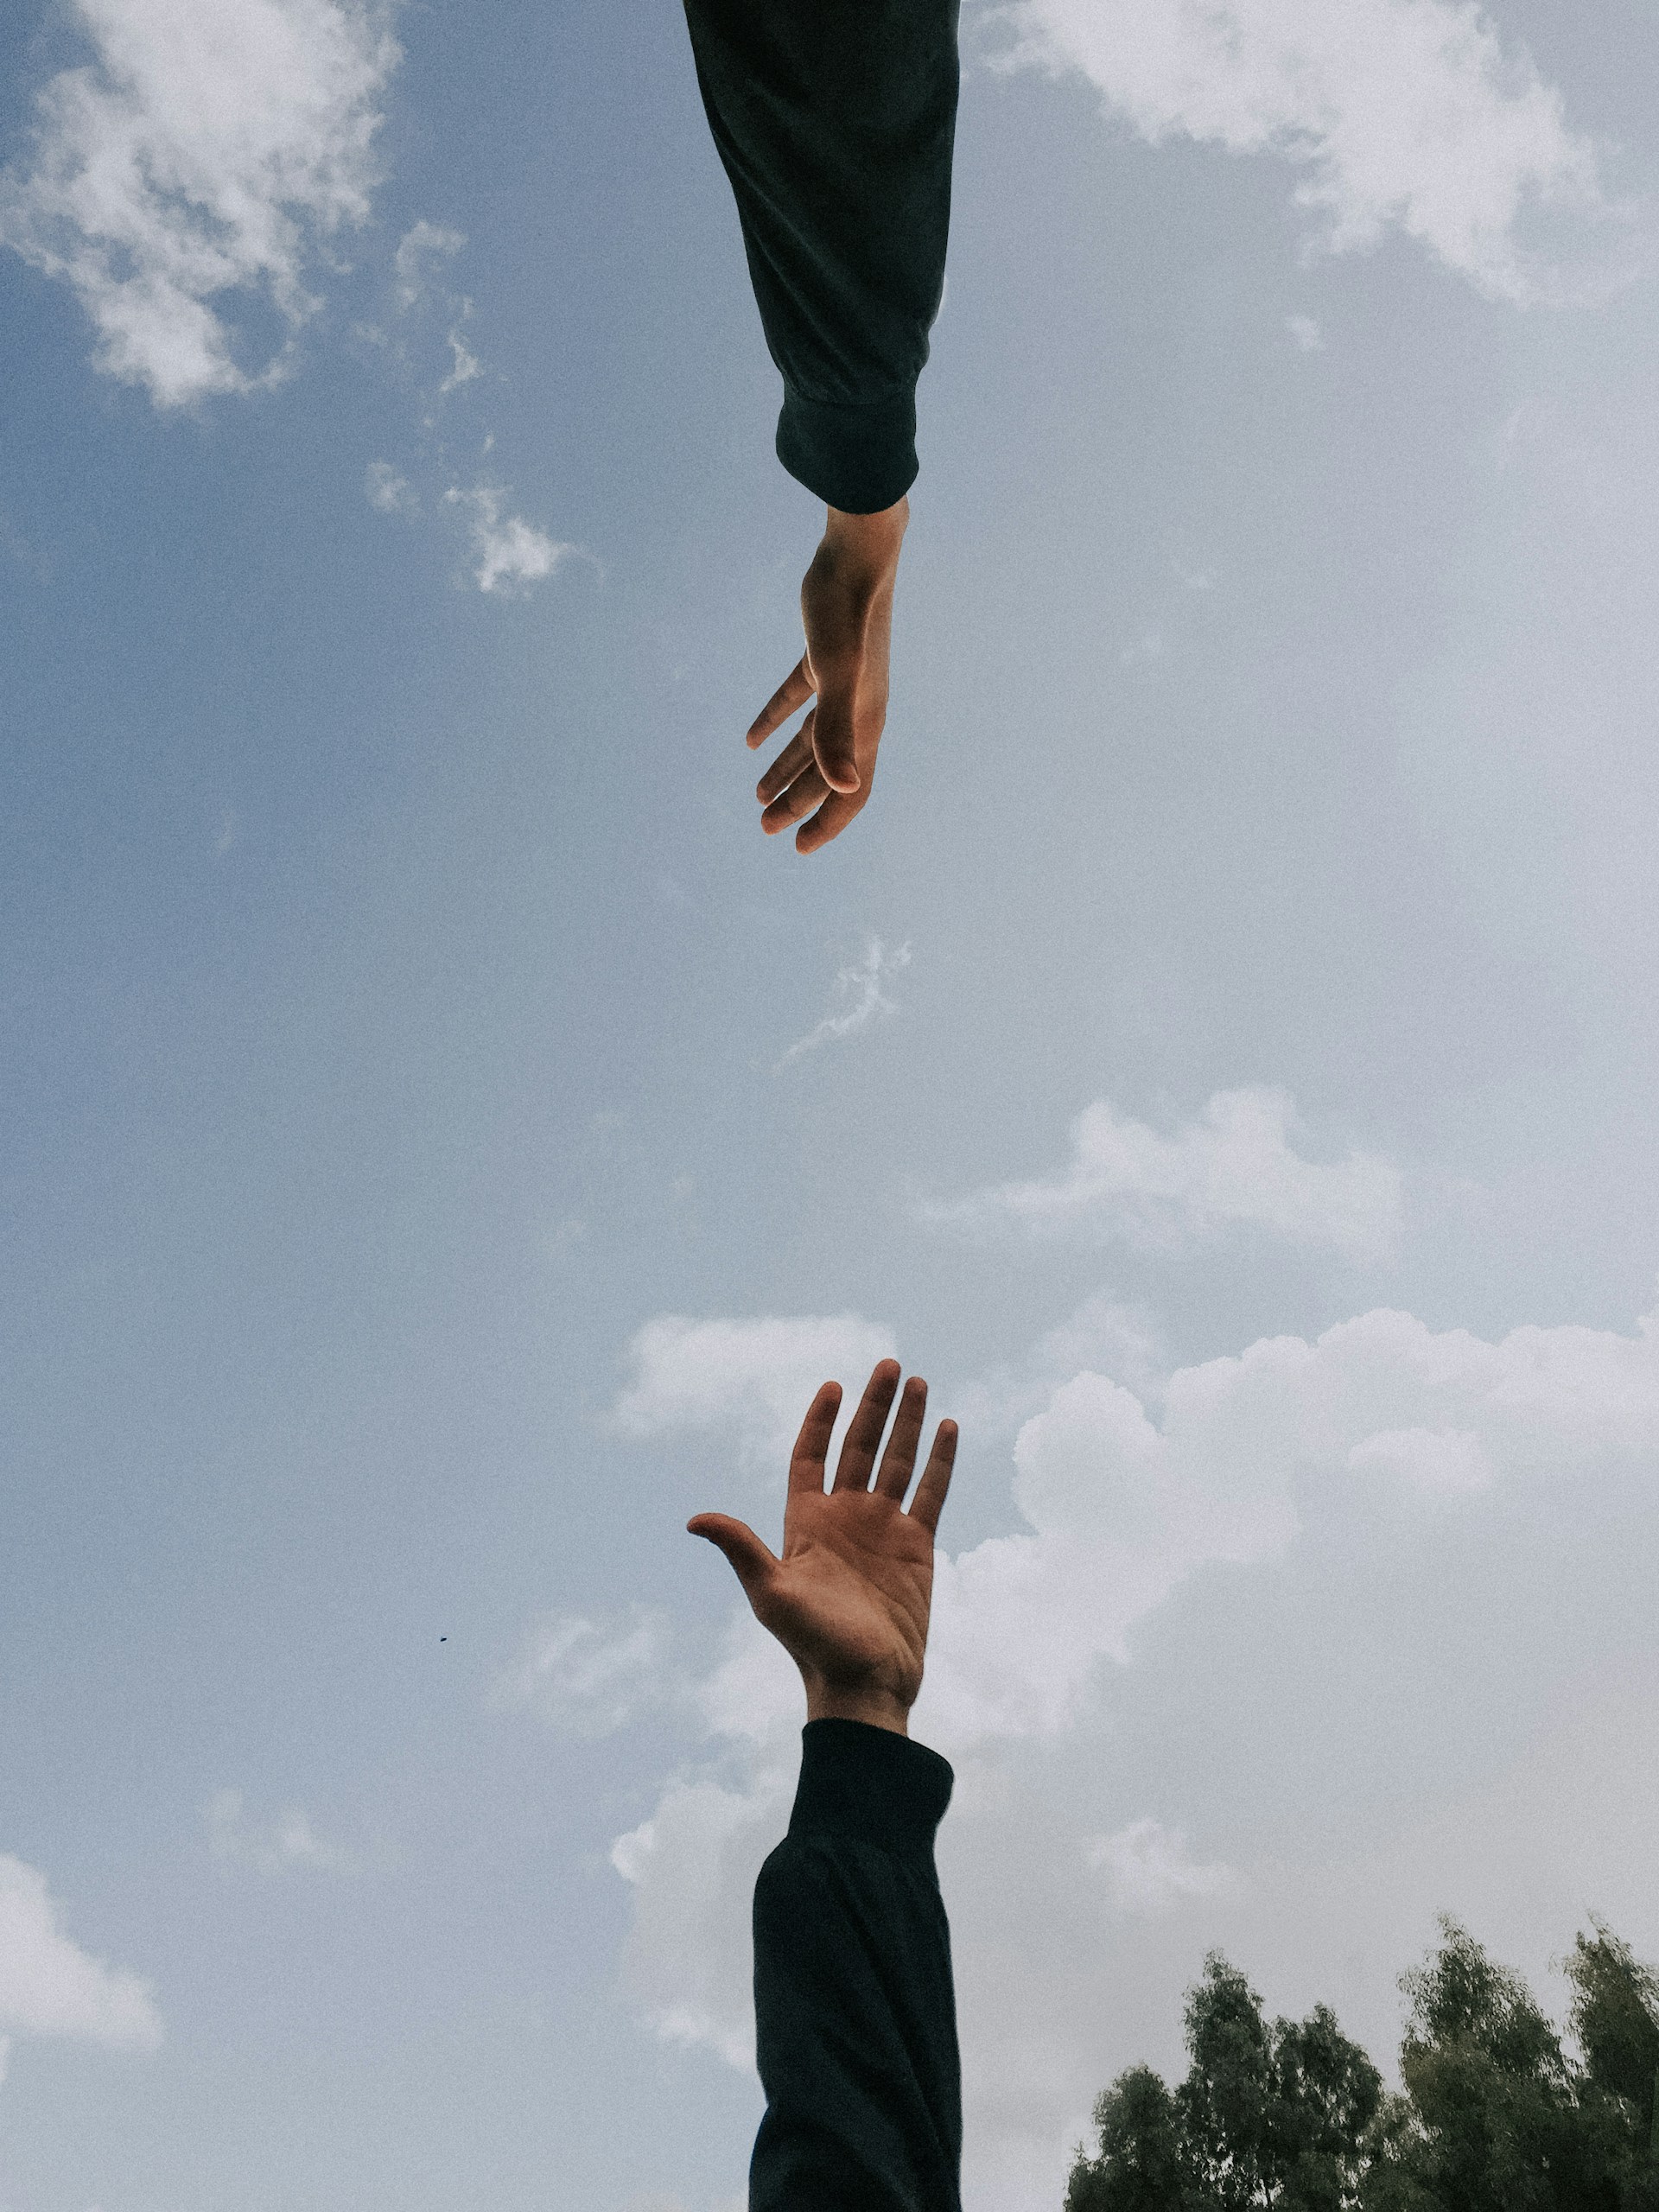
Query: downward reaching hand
[825, 769]
[850, 1596]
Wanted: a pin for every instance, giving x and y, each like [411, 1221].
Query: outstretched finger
[899, 1461]
[864, 1430]
[929, 1501]
[794, 692]
[832, 735]
[813, 1445]
[793, 762]
[751, 1560]
[806, 792]
[829, 821]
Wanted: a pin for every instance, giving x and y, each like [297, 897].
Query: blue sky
[444, 1141]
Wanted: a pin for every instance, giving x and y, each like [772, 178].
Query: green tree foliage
[1269, 2114]
[1495, 2114]
[1494, 2121]
[1143, 2164]
[1615, 2018]
[1329, 2096]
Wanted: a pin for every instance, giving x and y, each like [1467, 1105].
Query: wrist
[868, 541]
[865, 1702]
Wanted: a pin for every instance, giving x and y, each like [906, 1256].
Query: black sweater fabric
[836, 119]
[854, 2010]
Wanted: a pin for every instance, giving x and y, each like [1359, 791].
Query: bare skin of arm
[822, 777]
[849, 1598]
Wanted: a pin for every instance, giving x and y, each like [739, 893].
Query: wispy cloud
[859, 998]
[422, 250]
[423, 245]
[1408, 115]
[467, 362]
[590, 1677]
[1149, 1867]
[509, 554]
[277, 1845]
[14, 546]
[1235, 1165]
[205, 153]
[389, 490]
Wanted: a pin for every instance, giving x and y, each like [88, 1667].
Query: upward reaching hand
[849, 1598]
[826, 768]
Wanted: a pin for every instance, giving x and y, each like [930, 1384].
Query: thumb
[750, 1560]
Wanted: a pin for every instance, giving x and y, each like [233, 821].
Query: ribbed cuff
[861, 460]
[870, 1786]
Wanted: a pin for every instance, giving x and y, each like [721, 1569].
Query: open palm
[849, 1598]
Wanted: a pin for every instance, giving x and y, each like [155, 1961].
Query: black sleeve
[854, 2011]
[834, 119]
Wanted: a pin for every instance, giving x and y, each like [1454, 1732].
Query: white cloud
[1104, 1335]
[1149, 1867]
[205, 156]
[274, 1847]
[590, 1677]
[510, 554]
[1402, 114]
[50, 1986]
[691, 1867]
[420, 251]
[421, 245]
[756, 1377]
[388, 490]
[1123, 1510]
[1235, 1165]
[1431, 1459]
[1303, 1595]
[1306, 333]
[467, 363]
[859, 996]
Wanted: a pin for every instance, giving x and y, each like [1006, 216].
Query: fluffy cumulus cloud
[50, 1986]
[1272, 1655]
[754, 1377]
[1236, 1164]
[1406, 114]
[198, 161]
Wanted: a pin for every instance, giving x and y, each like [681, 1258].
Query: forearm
[854, 2009]
[836, 122]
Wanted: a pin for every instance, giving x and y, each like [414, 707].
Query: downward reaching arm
[836, 120]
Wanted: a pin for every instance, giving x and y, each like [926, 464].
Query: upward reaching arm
[854, 2014]
[836, 121]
